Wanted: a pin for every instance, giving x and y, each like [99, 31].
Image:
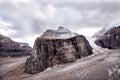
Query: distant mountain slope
[11, 48]
[109, 37]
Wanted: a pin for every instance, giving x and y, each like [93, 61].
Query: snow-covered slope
[109, 37]
[106, 28]
[97, 49]
[60, 33]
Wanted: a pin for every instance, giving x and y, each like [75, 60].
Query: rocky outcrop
[48, 52]
[11, 48]
[110, 39]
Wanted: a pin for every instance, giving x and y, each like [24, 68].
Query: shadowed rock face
[110, 39]
[49, 52]
[11, 48]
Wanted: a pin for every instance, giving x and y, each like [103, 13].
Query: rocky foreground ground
[102, 66]
[12, 68]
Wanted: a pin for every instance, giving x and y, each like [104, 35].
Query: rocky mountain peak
[110, 38]
[63, 29]
[107, 28]
[57, 47]
[60, 33]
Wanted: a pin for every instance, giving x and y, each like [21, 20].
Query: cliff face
[11, 48]
[49, 52]
[110, 39]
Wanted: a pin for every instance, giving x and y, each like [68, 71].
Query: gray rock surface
[48, 52]
[110, 39]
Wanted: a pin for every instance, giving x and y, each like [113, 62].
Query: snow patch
[114, 71]
[97, 49]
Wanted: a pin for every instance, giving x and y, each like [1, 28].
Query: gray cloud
[30, 17]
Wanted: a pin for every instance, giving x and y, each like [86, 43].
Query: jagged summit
[60, 33]
[62, 29]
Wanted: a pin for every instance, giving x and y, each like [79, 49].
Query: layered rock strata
[48, 52]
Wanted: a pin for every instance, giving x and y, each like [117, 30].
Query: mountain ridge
[60, 33]
[8, 47]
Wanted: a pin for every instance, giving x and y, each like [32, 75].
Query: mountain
[60, 49]
[101, 65]
[60, 33]
[109, 37]
[100, 33]
[8, 47]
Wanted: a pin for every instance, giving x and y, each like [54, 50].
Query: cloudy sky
[24, 20]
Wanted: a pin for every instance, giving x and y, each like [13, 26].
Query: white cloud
[29, 39]
[88, 32]
[32, 17]
[6, 28]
